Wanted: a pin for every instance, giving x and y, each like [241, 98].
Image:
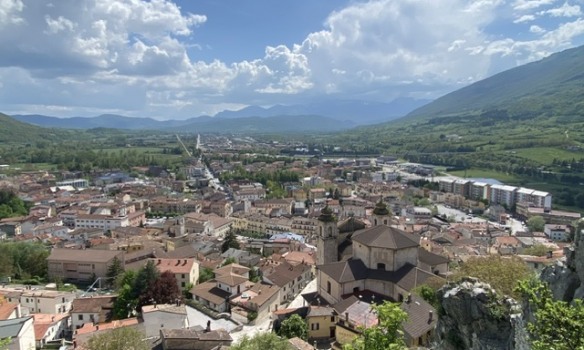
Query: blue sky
[180, 59]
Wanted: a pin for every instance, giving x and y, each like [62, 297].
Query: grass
[491, 174]
[545, 155]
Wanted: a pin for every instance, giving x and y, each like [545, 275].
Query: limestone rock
[473, 317]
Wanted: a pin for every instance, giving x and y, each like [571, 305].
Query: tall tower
[328, 238]
[381, 214]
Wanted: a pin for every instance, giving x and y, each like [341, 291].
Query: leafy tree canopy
[294, 326]
[119, 338]
[557, 325]
[502, 273]
[230, 242]
[387, 334]
[262, 341]
[536, 224]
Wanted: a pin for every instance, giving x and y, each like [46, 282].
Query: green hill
[551, 86]
[12, 130]
[524, 127]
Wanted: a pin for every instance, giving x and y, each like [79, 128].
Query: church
[384, 260]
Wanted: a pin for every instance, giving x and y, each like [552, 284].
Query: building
[104, 222]
[461, 187]
[384, 260]
[20, 331]
[557, 232]
[534, 198]
[327, 238]
[186, 271]
[77, 183]
[94, 310]
[42, 301]
[195, 338]
[81, 264]
[321, 321]
[165, 316]
[503, 194]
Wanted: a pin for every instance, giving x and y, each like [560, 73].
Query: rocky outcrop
[565, 277]
[473, 317]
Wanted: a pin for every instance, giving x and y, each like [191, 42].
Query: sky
[185, 58]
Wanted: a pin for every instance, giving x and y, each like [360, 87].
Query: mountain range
[320, 116]
[551, 86]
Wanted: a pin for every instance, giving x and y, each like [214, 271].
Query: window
[380, 266]
[315, 326]
[333, 319]
[80, 317]
[183, 284]
[356, 290]
[183, 275]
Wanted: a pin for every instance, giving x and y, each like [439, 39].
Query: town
[234, 243]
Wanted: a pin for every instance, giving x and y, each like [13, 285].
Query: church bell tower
[328, 238]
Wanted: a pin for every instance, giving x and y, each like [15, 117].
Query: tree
[206, 274]
[229, 261]
[114, 270]
[261, 341]
[387, 334]
[557, 324]
[126, 338]
[4, 342]
[536, 224]
[230, 242]
[537, 250]
[294, 326]
[502, 273]
[147, 275]
[163, 290]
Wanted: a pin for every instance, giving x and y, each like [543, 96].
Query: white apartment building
[42, 301]
[503, 194]
[536, 198]
[104, 222]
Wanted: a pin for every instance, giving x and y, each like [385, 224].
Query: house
[81, 264]
[299, 344]
[50, 327]
[321, 321]
[165, 316]
[9, 310]
[186, 271]
[290, 278]
[261, 298]
[95, 310]
[241, 257]
[557, 232]
[194, 338]
[42, 301]
[229, 281]
[20, 331]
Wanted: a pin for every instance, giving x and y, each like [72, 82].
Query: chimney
[159, 262]
[409, 298]
[208, 329]
[430, 316]
[347, 317]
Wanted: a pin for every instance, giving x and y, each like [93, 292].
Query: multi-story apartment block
[535, 198]
[104, 222]
[81, 264]
[304, 226]
[503, 194]
[175, 205]
[461, 187]
[479, 190]
[446, 184]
